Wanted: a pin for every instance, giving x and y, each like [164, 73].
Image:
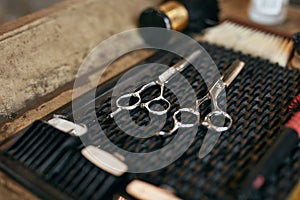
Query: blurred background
[12, 9]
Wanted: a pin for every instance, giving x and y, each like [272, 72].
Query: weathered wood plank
[44, 54]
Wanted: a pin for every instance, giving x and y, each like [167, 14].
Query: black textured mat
[258, 102]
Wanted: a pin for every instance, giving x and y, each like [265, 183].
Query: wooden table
[40, 47]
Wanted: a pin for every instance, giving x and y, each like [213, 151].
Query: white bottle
[268, 12]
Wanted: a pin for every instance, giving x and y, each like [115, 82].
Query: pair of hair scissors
[133, 100]
[217, 86]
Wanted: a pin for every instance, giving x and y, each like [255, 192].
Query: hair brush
[275, 47]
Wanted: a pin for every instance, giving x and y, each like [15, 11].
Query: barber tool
[68, 127]
[24, 139]
[229, 75]
[34, 145]
[193, 15]
[124, 103]
[104, 160]
[72, 142]
[91, 174]
[286, 142]
[256, 41]
[108, 163]
[75, 131]
[113, 165]
[41, 145]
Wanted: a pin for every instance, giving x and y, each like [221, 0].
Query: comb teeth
[294, 123]
[295, 105]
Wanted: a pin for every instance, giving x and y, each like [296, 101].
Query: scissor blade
[178, 67]
[232, 72]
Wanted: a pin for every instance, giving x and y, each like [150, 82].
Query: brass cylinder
[177, 14]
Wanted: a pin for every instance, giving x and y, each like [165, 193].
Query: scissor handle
[159, 101]
[127, 98]
[209, 123]
[191, 111]
[179, 124]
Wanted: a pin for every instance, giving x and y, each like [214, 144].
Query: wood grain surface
[41, 52]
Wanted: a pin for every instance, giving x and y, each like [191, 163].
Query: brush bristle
[294, 123]
[276, 49]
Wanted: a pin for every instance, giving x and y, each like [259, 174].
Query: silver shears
[133, 100]
[217, 87]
